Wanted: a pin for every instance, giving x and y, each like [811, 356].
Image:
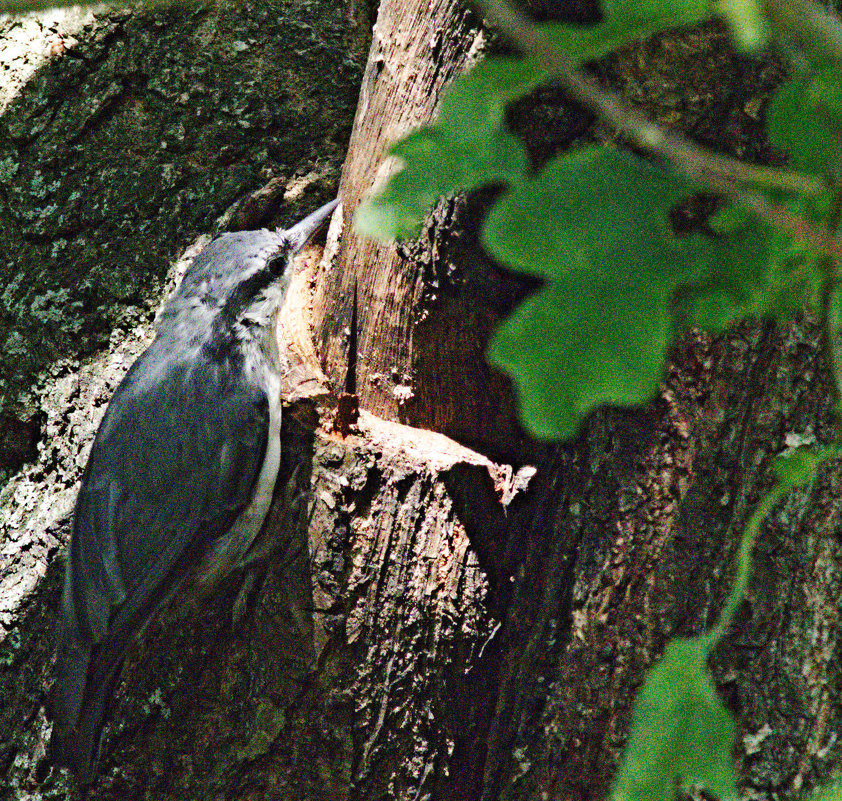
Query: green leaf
[831, 793]
[595, 223]
[676, 12]
[680, 734]
[805, 120]
[589, 207]
[625, 22]
[738, 282]
[468, 148]
[473, 107]
[798, 465]
[583, 341]
[436, 165]
[754, 269]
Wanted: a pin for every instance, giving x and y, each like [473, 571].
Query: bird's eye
[277, 262]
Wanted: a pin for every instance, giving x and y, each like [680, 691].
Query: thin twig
[743, 571]
[762, 177]
[719, 173]
[828, 314]
[820, 32]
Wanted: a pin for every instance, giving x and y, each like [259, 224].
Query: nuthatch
[181, 472]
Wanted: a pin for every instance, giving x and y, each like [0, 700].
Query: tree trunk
[453, 611]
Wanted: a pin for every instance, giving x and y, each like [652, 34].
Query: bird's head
[241, 274]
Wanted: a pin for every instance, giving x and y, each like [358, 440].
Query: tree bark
[453, 610]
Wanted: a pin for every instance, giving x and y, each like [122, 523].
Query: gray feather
[181, 471]
[173, 464]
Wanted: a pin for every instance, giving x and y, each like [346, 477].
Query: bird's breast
[261, 364]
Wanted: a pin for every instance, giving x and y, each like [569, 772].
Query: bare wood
[405, 331]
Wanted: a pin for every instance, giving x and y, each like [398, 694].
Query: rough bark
[453, 611]
[124, 134]
[417, 48]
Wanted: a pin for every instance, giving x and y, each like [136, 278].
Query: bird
[181, 472]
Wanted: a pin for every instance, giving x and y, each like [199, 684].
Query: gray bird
[181, 472]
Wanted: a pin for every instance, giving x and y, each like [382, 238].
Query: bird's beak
[301, 233]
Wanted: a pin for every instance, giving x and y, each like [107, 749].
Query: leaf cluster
[619, 284]
[594, 223]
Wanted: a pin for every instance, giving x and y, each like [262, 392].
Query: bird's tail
[85, 680]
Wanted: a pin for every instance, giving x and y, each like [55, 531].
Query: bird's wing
[173, 464]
